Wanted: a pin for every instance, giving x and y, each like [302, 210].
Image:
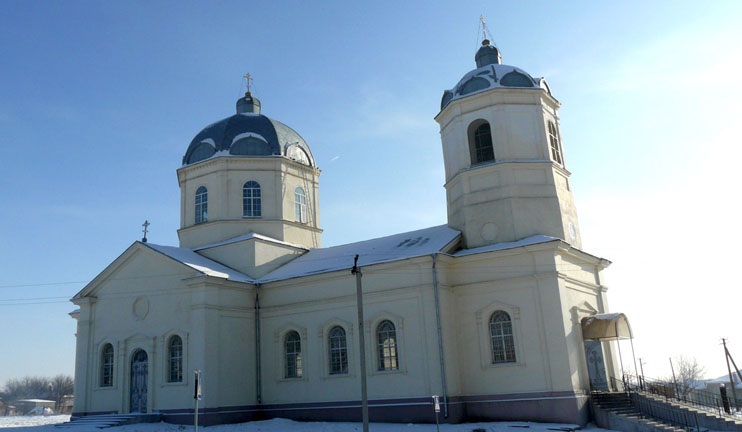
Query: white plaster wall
[225, 177]
[194, 312]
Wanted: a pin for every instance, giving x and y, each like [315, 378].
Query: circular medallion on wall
[140, 308]
[489, 231]
[572, 231]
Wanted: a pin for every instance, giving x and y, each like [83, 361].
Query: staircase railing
[689, 396]
[653, 409]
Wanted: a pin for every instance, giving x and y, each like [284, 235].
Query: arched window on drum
[251, 200]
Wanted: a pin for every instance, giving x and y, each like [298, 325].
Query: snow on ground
[25, 421]
[45, 424]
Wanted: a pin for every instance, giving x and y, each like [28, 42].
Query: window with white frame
[338, 351]
[201, 205]
[251, 205]
[386, 336]
[300, 205]
[106, 366]
[556, 149]
[292, 350]
[501, 334]
[175, 359]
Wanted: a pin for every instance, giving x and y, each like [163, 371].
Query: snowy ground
[45, 424]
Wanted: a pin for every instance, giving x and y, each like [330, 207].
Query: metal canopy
[606, 327]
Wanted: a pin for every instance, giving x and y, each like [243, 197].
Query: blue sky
[99, 101]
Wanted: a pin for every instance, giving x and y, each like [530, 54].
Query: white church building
[484, 311]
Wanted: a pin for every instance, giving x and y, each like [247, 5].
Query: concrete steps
[616, 411]
[702, 411]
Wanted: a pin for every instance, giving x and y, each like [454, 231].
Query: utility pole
[361, 340]
[641, 367]
[729, 369]
[675, 381]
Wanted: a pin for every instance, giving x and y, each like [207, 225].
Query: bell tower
[506, 177]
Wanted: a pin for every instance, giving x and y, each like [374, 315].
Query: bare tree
[38, 387]
[61, 386]
[688, 375]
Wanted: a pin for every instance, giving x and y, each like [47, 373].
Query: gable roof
[183, 256]
[395, 247]
[200, 263]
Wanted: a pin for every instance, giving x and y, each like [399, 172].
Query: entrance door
[139, 382]
[596, 365]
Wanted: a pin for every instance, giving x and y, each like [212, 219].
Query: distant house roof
[395, 247]
[35, 400]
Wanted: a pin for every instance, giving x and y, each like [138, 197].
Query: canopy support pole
[620, 357]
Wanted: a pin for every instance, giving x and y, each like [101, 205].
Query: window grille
[501, 333]
[387, 345]
[483, 143]
[251, 205]
[201, 205]
[106, 370]
[293, 355]
[175, 359]
[338, 352]
[556, 150]
[300, 205]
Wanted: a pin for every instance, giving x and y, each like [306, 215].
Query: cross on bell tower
[249, 79]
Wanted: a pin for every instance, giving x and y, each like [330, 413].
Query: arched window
[501, 333]
[300, 205]
[292, 347]
[338, 351]
[251, 199]
[556, 150]
[386, 336]
[480, 142]
[106, 366]
[175, 359]
[201, 205]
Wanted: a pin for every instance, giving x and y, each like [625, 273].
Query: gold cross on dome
[249, 80]
[484, 27]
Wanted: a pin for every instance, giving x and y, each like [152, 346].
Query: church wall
[391, 292]
[140, 306]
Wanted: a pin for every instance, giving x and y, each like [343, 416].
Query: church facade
[483, 311]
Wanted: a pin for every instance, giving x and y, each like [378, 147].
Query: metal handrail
[649, 408]
[672, 391]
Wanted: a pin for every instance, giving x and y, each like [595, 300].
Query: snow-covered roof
[375, 251]
[200, 263]
[248, 237]
[35, 400]
[507, 245]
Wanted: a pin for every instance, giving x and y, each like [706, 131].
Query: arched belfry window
[501, 333]
[201, 205]
[338, 351]
[292, 352]
[556, 149]
[251, 199]
[106, 366]
[480, 142]
[175, 359]
[386, 340]
[300, 205]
